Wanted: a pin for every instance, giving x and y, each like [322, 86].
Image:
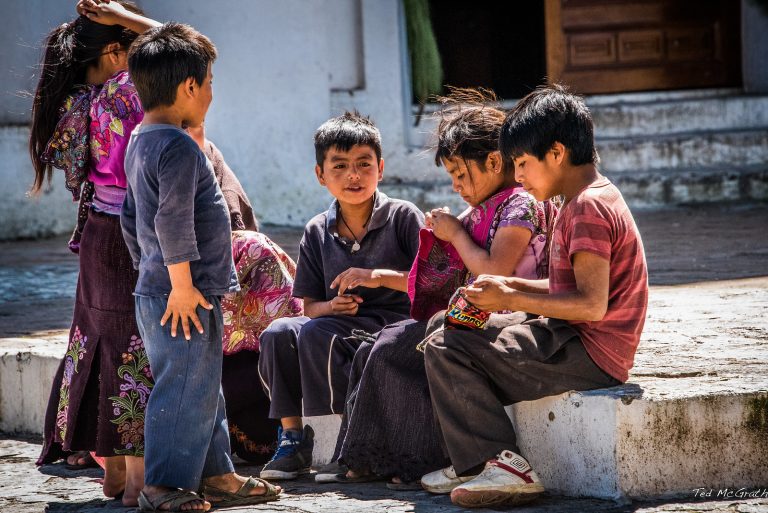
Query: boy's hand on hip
[182, 306]
[345, 305]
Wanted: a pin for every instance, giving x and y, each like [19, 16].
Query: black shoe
[293, 455]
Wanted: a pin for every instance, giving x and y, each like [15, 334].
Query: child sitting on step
[365, 239]
[577, 330]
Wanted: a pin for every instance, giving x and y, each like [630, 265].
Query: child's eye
[459, 177]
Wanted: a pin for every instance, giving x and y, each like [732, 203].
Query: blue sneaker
[293, 455]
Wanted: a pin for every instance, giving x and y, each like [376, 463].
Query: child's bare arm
[112, 13]
[371, 278]
[588, 302]
[507, 249]
[183, 300]
[340, 305]
[532, 286]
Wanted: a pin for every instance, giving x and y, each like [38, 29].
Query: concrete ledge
[618, 443]
[695, 414]
[27, 368]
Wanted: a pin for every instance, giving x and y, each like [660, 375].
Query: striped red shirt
[598, 221]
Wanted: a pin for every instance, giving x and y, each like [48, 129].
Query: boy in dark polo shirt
[582, 325]
[365, 240]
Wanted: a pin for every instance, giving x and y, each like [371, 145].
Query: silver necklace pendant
[355, 247]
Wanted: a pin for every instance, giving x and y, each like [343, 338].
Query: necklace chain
[365, 225]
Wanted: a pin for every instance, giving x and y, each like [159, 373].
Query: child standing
[176, 225]
[582, 325]
[84, 109]
[364, 239]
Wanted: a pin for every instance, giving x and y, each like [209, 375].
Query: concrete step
[694, 414]
[689, 150]
[639, 116]
[662, 148]
[642, 188]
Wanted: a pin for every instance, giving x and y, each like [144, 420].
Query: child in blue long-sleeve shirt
[177, 228]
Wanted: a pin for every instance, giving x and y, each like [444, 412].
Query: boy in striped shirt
[581, 327]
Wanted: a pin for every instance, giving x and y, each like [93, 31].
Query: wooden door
[608, 46]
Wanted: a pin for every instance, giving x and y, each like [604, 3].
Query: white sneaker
[443, 480]
[507, 480]
[329, 473]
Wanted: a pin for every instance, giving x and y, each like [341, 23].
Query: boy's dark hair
[345, 131]
[547, 115]
[163, 57]
[469, 126]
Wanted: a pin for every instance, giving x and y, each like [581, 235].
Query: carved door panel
[606, 46]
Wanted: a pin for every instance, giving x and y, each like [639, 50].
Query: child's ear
[381, 169]
[558, 152]
[319, 175]
[190, 85]
[493, 162]
[111, 50]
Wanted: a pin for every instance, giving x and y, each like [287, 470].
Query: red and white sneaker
[507, 480]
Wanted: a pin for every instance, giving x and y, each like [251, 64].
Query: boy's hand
[356, 277]
[102, 11]
[345, 305]
[182, 305]
[444, 225]
[490, 293]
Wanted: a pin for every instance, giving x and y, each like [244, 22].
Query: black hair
[469, 126]
[163, 57]
[345, 131]
[69, 50]
[547, 115]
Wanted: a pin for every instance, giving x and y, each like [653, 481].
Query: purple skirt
[100, 391]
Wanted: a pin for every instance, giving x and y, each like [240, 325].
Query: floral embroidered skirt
[100, 391]
[265, 273]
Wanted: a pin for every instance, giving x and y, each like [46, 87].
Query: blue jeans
[185, 430]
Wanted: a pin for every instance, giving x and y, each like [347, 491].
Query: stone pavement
[702, 337]
[52, 489]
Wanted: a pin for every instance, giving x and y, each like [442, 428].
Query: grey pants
[473, 374]
[308, 361]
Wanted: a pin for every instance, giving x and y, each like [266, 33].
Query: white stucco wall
[283, 68]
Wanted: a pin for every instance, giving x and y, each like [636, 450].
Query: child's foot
[443, 480]
[114, 476]
[236, 490]
[399, 484]
[134, 480]
[160, 498]
[293, 455]
[80, 460]
[329, 473]
[358, 476]
[507, 480]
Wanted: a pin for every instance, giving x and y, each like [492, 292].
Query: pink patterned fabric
[115, 112]
[439, 270]
[90, 138]
[265, 273]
